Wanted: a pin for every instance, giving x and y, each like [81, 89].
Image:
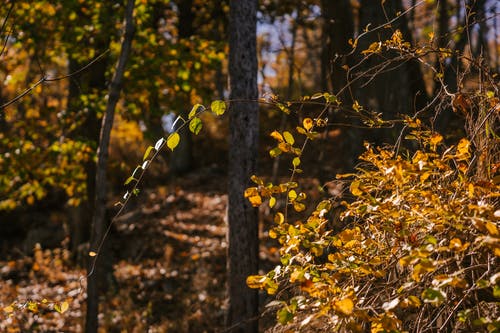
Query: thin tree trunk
[181, 159]
[98, 223]
[242, 217]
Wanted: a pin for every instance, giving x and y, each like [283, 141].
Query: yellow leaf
[344, 306]
[492, 228]
[374, 47]
[414, 301]
[298, 206]
[256, 281]
[307, 123]
[297, 275]
[463, 148]
[431, 36]
[148, 152]
[32, 306]
[92, 254]
[296, 162]
[348, 235]
[292, 195]
[62, 307]
[457, 246]
[279, 218]
[435, 139]
[355, 188]
[218, 107]
[173, 140]
[272, 202]
[273, 234]
[471, 191]
[288, 137]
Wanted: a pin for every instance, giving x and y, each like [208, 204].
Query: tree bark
[243, 142]
[99, 223]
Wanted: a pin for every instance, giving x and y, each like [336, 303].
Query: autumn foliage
[416, 244]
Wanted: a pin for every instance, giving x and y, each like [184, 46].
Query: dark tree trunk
[181, 159]
[337, 29]
[99, 224]
[243, 143]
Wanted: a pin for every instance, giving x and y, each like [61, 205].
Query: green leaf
[173, 140]
[284, 316]
[482, 284]
[195, 125]
[147, 152]
[218, 107]
[275, 152]
[195, 110]
[496, 291]
[434, 296]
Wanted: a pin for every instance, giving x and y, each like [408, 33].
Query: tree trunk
[243, 143]
[98, 223]
[337, 29]
[181, 159]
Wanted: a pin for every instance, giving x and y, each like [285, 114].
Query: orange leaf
[345, 306]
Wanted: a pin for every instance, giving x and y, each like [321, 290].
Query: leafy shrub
[417, 247]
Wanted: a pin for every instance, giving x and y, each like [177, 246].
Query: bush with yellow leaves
[416, 248]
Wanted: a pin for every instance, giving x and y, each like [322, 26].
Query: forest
[250, 166]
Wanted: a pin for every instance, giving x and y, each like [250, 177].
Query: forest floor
[169, 254]
[169, 268]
